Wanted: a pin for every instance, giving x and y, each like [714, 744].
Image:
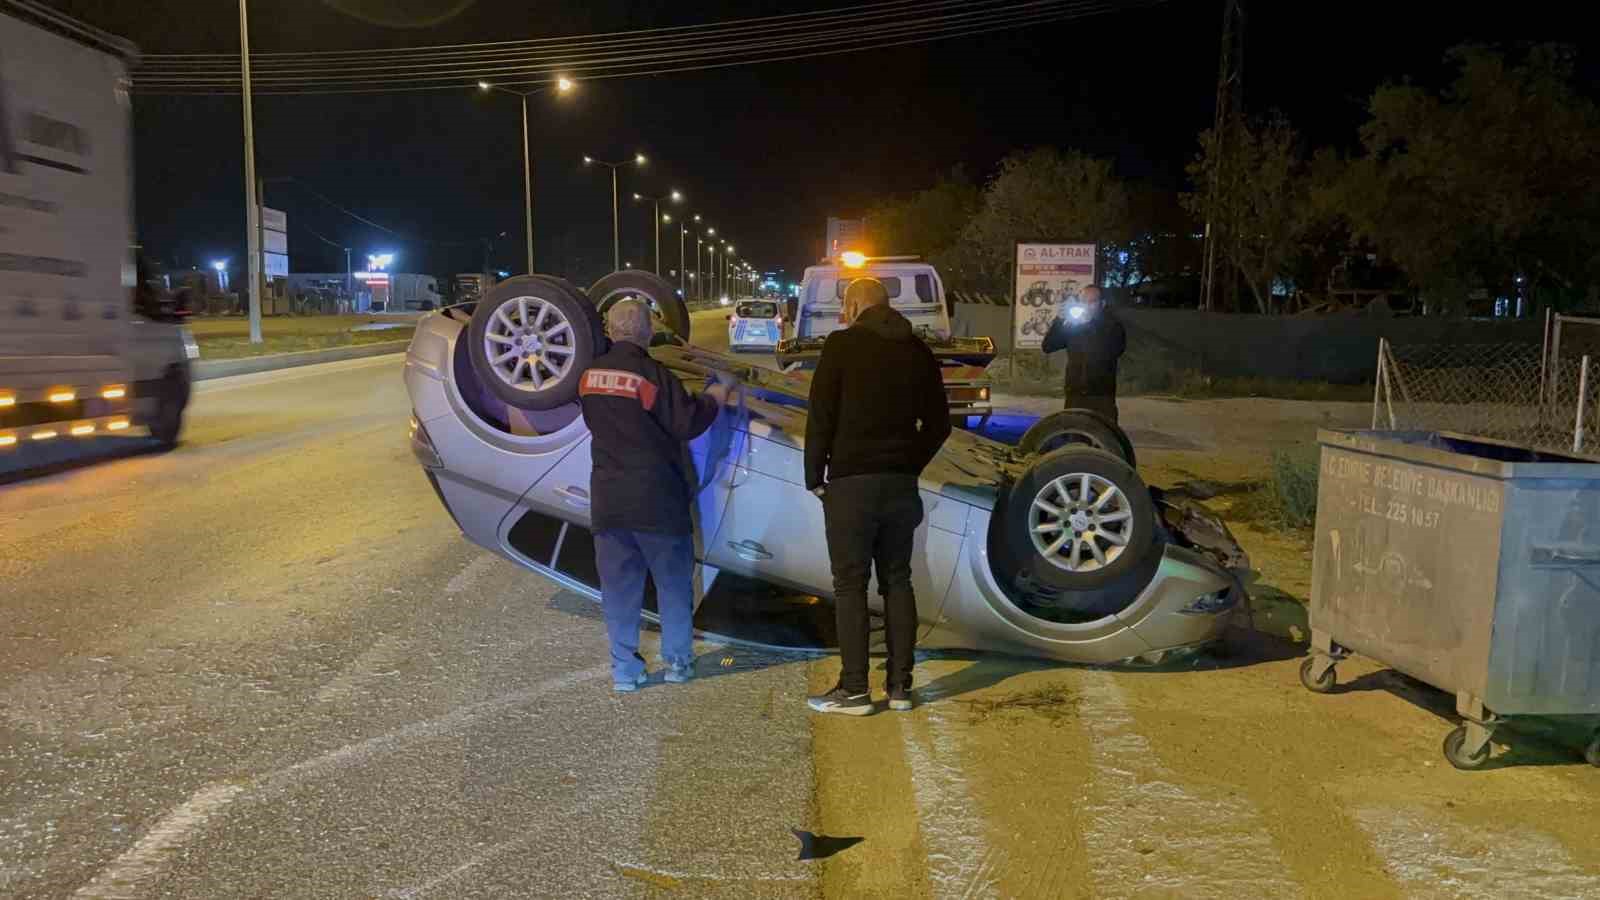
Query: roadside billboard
[1047, 276]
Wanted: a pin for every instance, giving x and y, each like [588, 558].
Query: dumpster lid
[1473, 454]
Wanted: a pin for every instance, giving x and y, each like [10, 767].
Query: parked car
[1055, 549]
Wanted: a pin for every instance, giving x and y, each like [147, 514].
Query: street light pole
[252, 215]
[682, 277]
[616, 227]
[563, 85]
[527, 185]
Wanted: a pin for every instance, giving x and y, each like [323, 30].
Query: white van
[916, 292]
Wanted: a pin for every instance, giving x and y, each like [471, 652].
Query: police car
[755, 325]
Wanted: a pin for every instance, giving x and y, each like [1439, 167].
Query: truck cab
[916, 292]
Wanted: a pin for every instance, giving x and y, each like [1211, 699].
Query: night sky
[764, 152]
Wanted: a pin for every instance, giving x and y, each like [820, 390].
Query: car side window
[925, 289]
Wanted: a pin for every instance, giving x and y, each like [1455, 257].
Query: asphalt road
[267, 665]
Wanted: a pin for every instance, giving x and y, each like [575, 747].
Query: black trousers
[872, 522]
[1105, 405]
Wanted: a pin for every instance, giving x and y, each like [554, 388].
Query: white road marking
[961, 863]
[361, 751]
[125, 875]
[122, 879]
[480, 566]
[374, 662]
[1147, 835]
[1433, 856]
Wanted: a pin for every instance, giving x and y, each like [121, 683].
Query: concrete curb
[221, 368]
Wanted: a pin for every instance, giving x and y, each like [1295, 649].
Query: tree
[1492, 181]
[928, 223]
[1045, 194]
[1259, 211]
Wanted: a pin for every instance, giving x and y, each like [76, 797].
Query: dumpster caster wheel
[1317, 685]
[1591, 751]
[1453, 743]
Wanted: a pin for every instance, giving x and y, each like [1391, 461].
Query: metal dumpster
[1471, 565]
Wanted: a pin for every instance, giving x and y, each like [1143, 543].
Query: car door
[773, 528]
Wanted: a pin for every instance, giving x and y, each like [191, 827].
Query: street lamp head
[565, 84]
[639, 158]
[666, 217]
[677, 196]
[636, 196]
[588, 160]
[697, 217]
[221, 265]
[711, 231]
[484, 85]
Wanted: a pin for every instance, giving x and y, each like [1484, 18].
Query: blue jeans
[624, 558]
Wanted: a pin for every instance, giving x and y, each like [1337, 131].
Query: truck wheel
[1078, 426]
[530, 340]
[1079, 519]
[172, 397]
[647, 286]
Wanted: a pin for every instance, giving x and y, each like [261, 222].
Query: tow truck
[916, 292]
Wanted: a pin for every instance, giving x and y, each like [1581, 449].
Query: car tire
[1081, 427]
[1099, 536]
[555, 320]
[597, 324]
[172, 398]
[652, 288]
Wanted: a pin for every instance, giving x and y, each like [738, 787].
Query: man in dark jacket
[640, 417]
[878, 415]
[1094, 341]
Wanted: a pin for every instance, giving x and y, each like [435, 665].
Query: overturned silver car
[1054, 548]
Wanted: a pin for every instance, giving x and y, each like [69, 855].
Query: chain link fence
[1528, 395]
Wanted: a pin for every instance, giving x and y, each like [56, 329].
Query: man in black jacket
[640, 417]
[878, 415]
[1094, 341]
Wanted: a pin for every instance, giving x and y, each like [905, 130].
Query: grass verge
[228, 337]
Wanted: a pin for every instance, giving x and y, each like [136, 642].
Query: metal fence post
[1377, 385]
[1583, 397]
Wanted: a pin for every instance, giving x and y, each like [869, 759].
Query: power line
[587, 67]
[671, 30]
[637, 68]
[418, 71]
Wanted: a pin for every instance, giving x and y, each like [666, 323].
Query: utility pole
[252, 208]
[1229, 112]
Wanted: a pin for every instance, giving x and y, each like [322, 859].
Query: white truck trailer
[75, 359]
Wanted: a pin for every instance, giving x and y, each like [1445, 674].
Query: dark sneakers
[900, 699]
[842, 702]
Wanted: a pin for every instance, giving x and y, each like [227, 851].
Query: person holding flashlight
[1094, 341]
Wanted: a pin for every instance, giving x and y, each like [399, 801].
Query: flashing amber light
[62, 396]
[43, 435]
[853, 259]
[118, 425]
[114, 393]
[78, 430]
